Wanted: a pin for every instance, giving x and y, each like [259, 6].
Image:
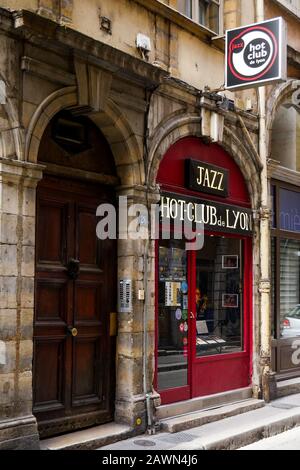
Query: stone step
[230, 433]
[88, 439]
[199, 418]
[240, 431]
[202, 403]
[288, 387]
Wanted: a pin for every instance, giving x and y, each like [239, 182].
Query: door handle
[73, 268]
[72, 330]
[192, 316]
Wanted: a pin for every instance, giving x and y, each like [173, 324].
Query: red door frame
[237, 366]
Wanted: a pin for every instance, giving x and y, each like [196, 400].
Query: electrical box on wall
[143, 42]
[125, 295]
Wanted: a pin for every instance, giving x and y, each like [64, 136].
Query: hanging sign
[256, 54]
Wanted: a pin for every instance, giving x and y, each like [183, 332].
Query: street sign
[256, 55]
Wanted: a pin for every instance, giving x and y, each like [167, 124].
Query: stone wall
[17, 247]
[141, 112]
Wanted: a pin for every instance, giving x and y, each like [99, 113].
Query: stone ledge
[288, 387]
[19, 433]
[89, 439]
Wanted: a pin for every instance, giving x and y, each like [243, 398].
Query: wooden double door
[74, 366]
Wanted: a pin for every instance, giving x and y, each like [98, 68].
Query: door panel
[86, 380]
[51, 299]
[49, 372]
[87, 301]
[73, 353]
[88, 245]
[52, 235]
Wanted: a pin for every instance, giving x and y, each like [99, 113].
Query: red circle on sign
[256, 77]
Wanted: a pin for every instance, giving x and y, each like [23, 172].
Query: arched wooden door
[74, 354]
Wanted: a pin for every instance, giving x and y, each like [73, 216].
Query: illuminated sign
[256, 55]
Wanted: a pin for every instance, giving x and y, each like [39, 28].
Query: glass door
[219, 297]
[173, 321]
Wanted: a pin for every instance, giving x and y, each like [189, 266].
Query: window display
[219, 297]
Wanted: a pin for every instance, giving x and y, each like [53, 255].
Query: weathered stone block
[29, 196]
[10, 358]
[6, 388]
[19, 433]
[8, 257]
[36, 89]
[26, 323]
[28, 231]
[8, 289]
[8, 324]
[129, 377]
[28, 110]
[8, 226]
[27, 292]
[25, 386]
[28, 262]
[130, 344]
[26, 353]
[9, 146]
[128, 411]
[10, 202]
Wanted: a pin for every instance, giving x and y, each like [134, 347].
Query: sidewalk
[229, 433]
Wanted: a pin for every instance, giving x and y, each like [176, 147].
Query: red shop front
[203, 295]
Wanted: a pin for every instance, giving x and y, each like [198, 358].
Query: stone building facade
[77, 63]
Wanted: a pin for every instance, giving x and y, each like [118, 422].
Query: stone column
[18, 180]
[130, 393]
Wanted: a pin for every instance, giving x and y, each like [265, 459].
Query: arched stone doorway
[75, 277]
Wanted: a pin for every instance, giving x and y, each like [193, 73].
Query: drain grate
[144, 443]
[284, 406]
[178, 438]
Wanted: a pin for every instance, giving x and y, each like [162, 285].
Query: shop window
[273, 291]
[204, 12]
[289, 216]
[219, 298]
[289, 288]
[200, 299]
[285, 277]
[286, 137]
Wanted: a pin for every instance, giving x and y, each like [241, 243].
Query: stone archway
[279, 94]
[182, 125]
[12, 135]
[127, 150]
[178, 127]
[125, 147]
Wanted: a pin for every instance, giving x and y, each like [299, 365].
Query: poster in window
[230, 262]
[173, 294]
[230, 300]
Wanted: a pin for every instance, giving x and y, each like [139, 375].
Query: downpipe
[264, 288]
[150, 426]
[147, 393]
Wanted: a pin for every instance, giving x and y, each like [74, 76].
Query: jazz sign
[256, 55]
